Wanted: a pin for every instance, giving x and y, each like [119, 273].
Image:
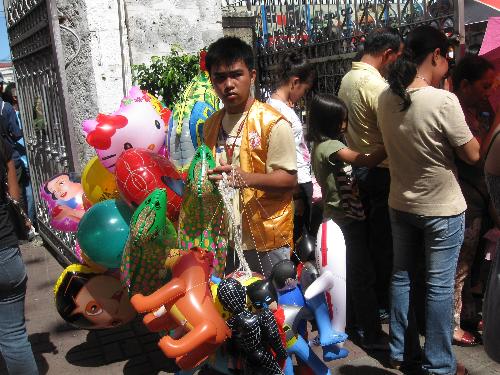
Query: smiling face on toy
[104, 302]
[90, 300]
[137, 124]
[62, 188]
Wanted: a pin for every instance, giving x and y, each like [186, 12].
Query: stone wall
[114, 34]
[156, 25]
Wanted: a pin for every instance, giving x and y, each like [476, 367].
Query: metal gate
[329, 32]
[33, 29]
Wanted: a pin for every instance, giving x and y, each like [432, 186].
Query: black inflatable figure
[250, 330]
[264, 299]
[304, 249]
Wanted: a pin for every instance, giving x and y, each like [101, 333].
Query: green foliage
[167, 76]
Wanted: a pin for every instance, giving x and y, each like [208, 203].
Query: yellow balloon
[98, 183]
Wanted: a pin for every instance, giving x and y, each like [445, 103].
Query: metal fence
[329, 32]
[33, 30]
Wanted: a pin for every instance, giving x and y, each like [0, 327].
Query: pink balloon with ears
[138, 123]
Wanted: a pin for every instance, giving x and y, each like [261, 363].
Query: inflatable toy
[331, 263]
[139, 123]
[139, 172]
[201, 218]
[284, 278]
[252, 332]
[103, 232]
[64, 197]
[98, 183]
[151, 237]
[90, 300]
[185, 128]
[185, 301]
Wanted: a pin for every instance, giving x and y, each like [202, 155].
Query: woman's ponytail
[420, 42]
[401, 74]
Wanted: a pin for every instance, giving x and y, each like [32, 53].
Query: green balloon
[103, 232]
[152, 235]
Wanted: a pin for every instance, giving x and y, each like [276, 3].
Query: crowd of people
[400, 162]
[407, 169]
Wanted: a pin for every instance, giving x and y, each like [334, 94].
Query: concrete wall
[114, 34]
[156, 25]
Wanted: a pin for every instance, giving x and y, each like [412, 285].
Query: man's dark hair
[228, 50]
[472, 68]
[382, 39]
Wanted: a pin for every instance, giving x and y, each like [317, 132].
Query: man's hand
[277, 181]
[235, 175]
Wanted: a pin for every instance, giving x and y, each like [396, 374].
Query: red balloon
[139, 172]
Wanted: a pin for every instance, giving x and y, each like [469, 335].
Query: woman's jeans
[438, 239]
[14, 344]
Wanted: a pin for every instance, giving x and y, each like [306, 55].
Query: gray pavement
[60, 349]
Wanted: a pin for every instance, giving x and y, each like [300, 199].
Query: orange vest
[268, 215]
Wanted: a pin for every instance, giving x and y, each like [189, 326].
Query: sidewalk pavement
[61, 349]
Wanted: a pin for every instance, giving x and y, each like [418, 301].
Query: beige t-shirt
[280, 155]
[360, 89]
[419, 144]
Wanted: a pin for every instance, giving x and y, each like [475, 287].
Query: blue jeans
[438, 239]
[14, 344]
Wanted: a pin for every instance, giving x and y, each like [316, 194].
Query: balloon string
[228, 192]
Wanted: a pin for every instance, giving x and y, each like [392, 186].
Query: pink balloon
[64, 198]
[138, 123]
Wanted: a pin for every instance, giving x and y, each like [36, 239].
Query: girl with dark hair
[331, 162]
[472, 80]
[14, 344]
[422, 128]
[296, 78]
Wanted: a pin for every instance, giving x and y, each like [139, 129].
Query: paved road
[61, 349]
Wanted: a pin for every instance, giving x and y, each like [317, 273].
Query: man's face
[232, 84]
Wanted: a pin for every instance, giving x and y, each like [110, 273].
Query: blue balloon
[103, 232]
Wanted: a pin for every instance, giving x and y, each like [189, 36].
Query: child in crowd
[296, 78]
[331, 162]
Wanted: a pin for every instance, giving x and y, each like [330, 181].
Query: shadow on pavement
[131, 343]
[40, 343]
[362, 370]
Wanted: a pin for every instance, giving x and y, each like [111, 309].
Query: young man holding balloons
[254, 147]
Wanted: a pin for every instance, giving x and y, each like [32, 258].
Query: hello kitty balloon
[140, 122]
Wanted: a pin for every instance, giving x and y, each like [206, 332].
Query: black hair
[382, 39]
[295, 64]
[472, 68]
[325, 116]
[227, 51]
[46, 185]
[69, 287]
[7, 93]
[420, 42]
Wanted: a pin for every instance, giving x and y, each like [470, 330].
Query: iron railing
[329, 32]
[33, 31]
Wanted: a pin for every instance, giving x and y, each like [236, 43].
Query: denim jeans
[438, 239]
[14, 344]
[361, 280]
[374, 184]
